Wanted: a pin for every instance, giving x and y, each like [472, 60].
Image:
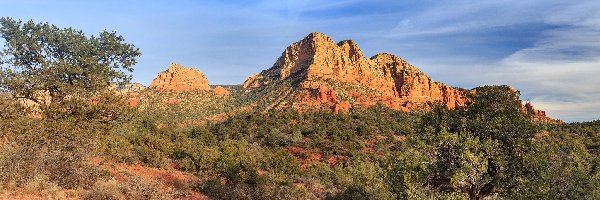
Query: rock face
[221, 91]
[316, 60]
[131, 91]
[179, 78]
[539, 115]
[328, 97]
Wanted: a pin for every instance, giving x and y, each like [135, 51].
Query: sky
[547, 49]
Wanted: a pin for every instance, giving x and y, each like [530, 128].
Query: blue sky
[548, 49]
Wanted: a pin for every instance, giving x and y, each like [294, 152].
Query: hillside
[319, 67]
[324, 122]
[314, 72]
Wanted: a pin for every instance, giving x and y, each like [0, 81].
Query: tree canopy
[52, 66]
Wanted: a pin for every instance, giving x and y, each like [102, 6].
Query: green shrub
[138, 188]
[69, 170]
[40, 184]
[105, 190]
[17, 165]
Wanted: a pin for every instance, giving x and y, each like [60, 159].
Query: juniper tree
[61, 68]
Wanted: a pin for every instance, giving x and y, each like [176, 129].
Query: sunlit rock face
[179, 78]
[313, 62]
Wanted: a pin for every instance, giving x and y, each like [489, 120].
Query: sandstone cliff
[221, 91]
[179, 78]
[318, 63]
[539, 115]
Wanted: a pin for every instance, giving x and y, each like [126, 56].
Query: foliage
[56, 102]
[344, 134]
[56, 68]
[360, 180]
[57, 111]
[106, 190]
[132, 187]
[490, 149]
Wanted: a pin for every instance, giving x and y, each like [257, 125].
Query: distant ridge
[318, 63]
[179, 78]
[317, 72]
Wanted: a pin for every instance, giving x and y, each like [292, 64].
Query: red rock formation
[539, 115]
[328, 97]
[221, 91]
[131, 91]
[314, 61]
[133, 101]
[178, 78]
[341, 107]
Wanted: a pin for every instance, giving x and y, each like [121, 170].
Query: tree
[65, 76]
[59, 69]
[477, 150]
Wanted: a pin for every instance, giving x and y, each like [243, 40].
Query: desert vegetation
[65, 134]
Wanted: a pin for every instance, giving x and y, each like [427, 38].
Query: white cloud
[559, 72]
[464, 16]
[562, 68]
[557, 67]
[557, 81]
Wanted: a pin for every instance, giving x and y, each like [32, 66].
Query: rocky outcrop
[221, 91]
[539, 115]
[317, 60]
[179, 78]
[328, 97]
[131, 91]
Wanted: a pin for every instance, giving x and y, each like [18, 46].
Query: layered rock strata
[179, 78]
[316, 60]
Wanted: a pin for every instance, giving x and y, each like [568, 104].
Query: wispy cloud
[549, 49]
[557, 71]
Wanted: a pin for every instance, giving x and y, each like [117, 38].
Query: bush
[20, 165]
[137, 188]
[42, 186]
[240, 161]
[69, 170]
[105, 190]
[17, 165]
